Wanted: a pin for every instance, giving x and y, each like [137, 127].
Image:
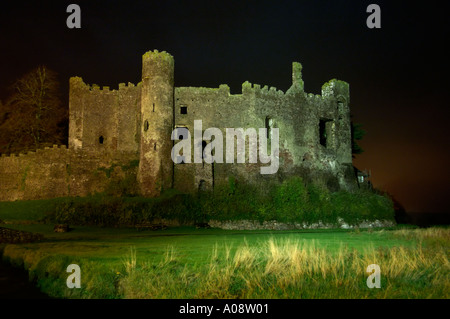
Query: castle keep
[125, 135]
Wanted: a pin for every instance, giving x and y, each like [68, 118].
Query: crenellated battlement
[249, 88]
[156, 55]
[46, 149]
[78, 84]
[111, 127]
[223, 89]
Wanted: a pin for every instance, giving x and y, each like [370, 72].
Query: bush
[291, 201]
[362, 205]
[109, 211]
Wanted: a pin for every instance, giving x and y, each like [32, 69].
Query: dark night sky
[396, 73]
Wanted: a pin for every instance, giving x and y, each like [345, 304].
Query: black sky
[397, 74]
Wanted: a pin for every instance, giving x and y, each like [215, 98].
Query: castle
[125, 134]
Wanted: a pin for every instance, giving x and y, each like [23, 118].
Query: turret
[155, 166]
[339, 92]
[297, 81]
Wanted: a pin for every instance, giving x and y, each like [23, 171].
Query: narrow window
[323, 132]
[327, 133]
[101, 139]
[269, 126]
[146, 125]
[182, 132]
[203, 152]
[202, 186]
[203, 148]
[153, 107]
[183, 109]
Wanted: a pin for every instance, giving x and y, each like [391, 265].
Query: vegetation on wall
[291, 202]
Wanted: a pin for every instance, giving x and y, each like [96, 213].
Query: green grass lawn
[26, 210]
[185, 262]
[210, 263]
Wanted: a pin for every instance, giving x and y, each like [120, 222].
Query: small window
[101, 139]
[323, 132]
[146, 126]
[182, 132]
[327, 133]
[203, 148]
[202, 186]
[153, 107]
[183, 109]
[269, 126]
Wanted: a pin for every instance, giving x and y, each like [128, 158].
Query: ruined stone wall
[301, 119]
[104, 119]
[58, 172]
[109, 129]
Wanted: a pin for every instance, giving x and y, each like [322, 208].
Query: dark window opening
[269, 126]
[153, 107]
[182, 132]
[101, 139]
[203, 148]
[323, 132]
[154, 146]
[203, 152]
[327, 133]
[146, 126]
[202, 186]
[183, 110]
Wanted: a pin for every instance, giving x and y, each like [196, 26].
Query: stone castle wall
[298, 117]
[104, 119]
[126, 132]
[58, 172]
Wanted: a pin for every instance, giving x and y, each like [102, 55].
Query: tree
[33, 115]
[357, 135]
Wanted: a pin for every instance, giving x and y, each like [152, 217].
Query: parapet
[46, 149]
[77, 82]
[338, 89]
[158, 64]
[156, 55]
[249, 88]
[223, 89]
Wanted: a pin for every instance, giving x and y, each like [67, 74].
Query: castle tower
[155, 166]
[297, 82]
[340, 91]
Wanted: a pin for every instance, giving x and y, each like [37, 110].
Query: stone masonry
[126, 133]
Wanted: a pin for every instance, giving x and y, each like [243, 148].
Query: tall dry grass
[299, 269]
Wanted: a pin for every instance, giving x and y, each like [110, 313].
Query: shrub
[290, 201]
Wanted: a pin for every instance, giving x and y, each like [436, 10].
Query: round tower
[155, 166]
